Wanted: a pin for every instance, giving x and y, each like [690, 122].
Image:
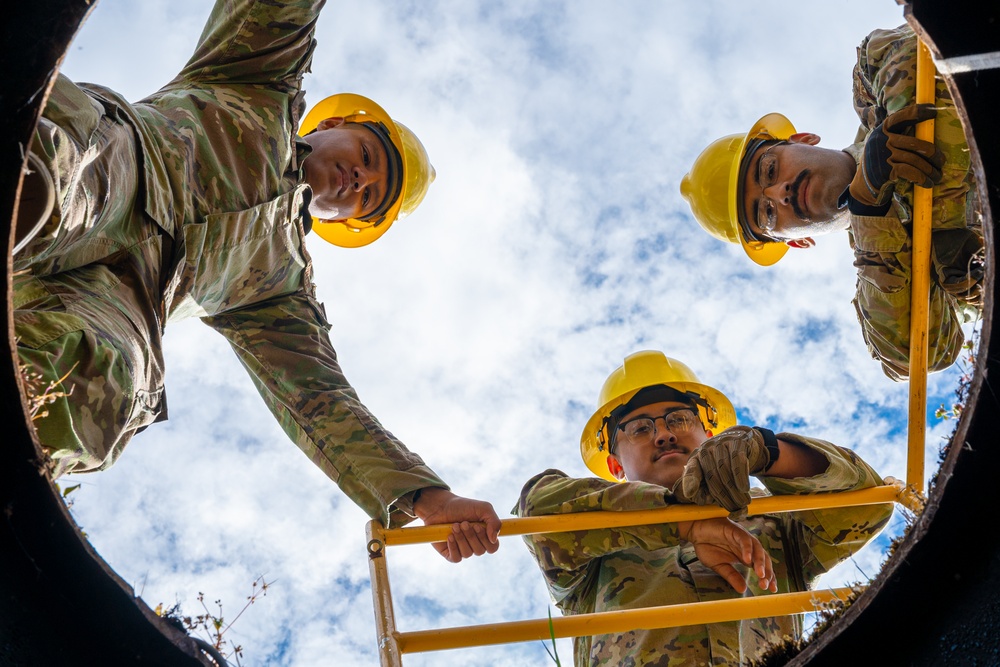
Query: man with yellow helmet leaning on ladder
[650, 443]
[773, 187]
[195, 202]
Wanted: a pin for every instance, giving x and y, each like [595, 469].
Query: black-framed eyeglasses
[642, 430]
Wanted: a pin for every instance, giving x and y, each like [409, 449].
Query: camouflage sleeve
[284, 345]
[865, 100]
[565, 558]
[885, 82]
[255, 41]
[825, 537]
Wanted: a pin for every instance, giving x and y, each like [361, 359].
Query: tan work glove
[890, 155]
[718, 472]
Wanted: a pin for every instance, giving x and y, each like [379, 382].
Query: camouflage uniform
[884, 79]
[214, 228]
[643, 566]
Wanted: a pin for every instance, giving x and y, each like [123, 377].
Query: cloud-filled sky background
[480, 329]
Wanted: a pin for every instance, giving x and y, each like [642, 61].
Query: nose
[664, 436]
[361, 178]
[780, 192]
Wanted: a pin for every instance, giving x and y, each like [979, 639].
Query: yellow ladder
[392, 643]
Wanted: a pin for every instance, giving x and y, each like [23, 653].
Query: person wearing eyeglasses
[773, 188]
[651, 444]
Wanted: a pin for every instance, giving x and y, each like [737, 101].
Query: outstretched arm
[255, 41]
[284, 345]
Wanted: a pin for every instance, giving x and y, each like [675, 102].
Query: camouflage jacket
[222, 177]
[884, 82]
[643, 566]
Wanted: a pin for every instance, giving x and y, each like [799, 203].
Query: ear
[807, 138]
[803, 243]
[330, 123]
[708, 432]
[615, 467]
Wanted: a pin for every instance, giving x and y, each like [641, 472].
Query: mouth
[344, 181]
[800, 192]
[665, 453]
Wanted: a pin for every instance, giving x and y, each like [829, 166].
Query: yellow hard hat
[639, 371]
[713, 190]
[418, 173]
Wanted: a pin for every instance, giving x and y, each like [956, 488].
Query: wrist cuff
[857, 208]
[771, 444]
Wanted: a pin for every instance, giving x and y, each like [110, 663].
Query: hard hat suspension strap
[711, 414]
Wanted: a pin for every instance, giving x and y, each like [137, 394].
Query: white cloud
[553, 243]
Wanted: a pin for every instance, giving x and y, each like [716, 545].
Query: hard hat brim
[774, 126]
[354, 233]
[345, 235]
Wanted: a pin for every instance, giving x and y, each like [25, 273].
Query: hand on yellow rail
[475, 529]
[907, 495]
[721, 543]
[673, 513]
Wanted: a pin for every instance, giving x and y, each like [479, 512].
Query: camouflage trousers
[87, 289]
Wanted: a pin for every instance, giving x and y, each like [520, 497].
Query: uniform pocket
[42, 310]
[882, 234]
[84, 329]
[236, 259]
[882, 279]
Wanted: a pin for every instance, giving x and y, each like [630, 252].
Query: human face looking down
[662, 459]
[347, 170]
[792, 190]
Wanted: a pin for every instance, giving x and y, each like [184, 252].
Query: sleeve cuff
[857, 208]
[771, 444]
[399, 512]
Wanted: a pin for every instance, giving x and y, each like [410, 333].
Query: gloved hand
[959, 261]
[968, 287]
[718, 472]
[891, 155]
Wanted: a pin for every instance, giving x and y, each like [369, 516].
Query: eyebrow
[641, 415]
[756, 180]
[377, 158]
[375, 200]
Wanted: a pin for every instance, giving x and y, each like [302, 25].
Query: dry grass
[213, 625]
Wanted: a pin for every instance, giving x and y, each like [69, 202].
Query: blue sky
[480, 329]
